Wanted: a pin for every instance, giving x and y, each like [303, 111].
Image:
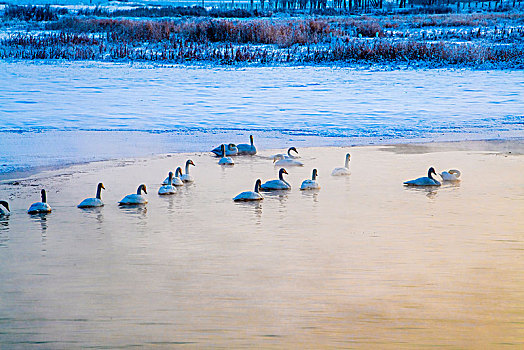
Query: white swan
[245, 149]
[424, 181]
[4, 209]
[250, 195]
[288, 162]
[451, 175]
[168, 189]
[311, 184]
[343, 171]
[94, 202]
[284, 156]
[136, 198]
[40, 207]
[225, 160]
[275, 185]
[176, 180]
[186, 177]
[231, 150]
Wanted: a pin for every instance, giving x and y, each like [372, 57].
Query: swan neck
[139, 190]
[187, 168]
[347, 163]
[178, 172]
[314, 176]
[251, 139]
[257, 187]
[44, 197]
[170, 181]
[99, 192]
[281, 175]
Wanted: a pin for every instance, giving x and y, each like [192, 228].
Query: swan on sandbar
[225, 160]
[135, 198]
[186, 177]
[5, 210]
[424, 181]
[250, 195]
[246, 149]
[281, 156]
[342, 171]
[450, 175]
[40, 207]
[231, 150]
[311, 184]
[168, 189]
[94, 202]
[275, 185]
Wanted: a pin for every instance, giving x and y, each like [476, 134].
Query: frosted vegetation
[261, 35]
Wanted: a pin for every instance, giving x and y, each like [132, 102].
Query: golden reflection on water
[364, 262]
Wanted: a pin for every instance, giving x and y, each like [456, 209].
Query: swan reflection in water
[255, 207]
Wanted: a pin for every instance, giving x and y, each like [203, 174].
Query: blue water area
[53, 114]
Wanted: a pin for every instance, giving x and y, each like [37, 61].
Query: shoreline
[512, 147]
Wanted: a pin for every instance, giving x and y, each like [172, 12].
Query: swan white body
[231, 150]
[311, 184]
[93, 202]
[4, 209]
[247, 149]
[451, 175]
[186, 177]
[168, 189]
[288, 162]
[176, 180]
[342, 171]
[276, 185]
[424, 181]
[249, 196]
[281, 156]
[135, 198]
[40, 207]
[225, 160]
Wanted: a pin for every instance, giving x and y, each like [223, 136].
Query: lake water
[52, 114]
[363, 263]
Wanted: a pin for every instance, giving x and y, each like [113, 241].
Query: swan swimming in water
[245, 149]
[94, 202]
[424, 181]
[342, 171]
[311, 184]
[186, 177]
[136, 198]
[250, 195]
[451, 175]
[281, 156]
[225, 160]
[176, 180]
[275, 185]
[4, 209]
[231, 150]
[168, 189]
[40, 207]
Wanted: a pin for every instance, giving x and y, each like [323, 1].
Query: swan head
[348, 158]
[178, 172]
[101, 186]
[258, 183]
[232, 146]
[281, 172]
[5, 204]
[315, 174]
[141, 188]
[430, 172]
[190, 162]
[454, 172]
[278, 157]
[44, 196]
[292, 149]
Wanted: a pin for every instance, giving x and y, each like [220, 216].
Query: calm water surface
[53, 114]
[363, 263]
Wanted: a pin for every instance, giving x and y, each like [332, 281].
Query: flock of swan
[225, 152]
